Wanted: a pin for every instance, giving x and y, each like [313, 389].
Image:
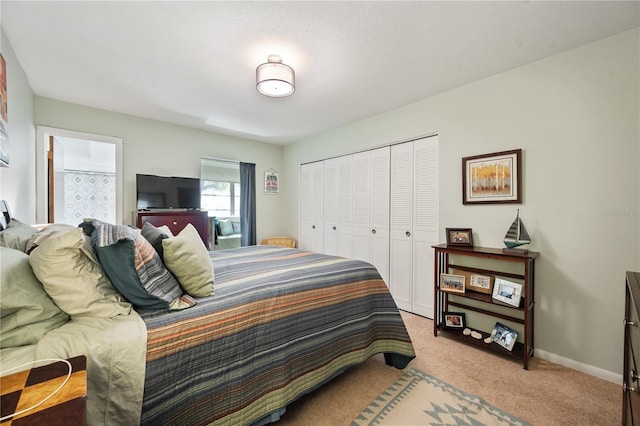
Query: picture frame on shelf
[494, 178]
[452, 283]
[454, 320]
[459, 237]
[504, 336]
[481, 283]
[507, 292]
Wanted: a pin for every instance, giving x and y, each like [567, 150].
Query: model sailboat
[517, 235]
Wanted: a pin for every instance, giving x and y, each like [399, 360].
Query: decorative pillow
[188, 259]
[236, 227]
[46, 232]
[68, 269]
[226, 228]
[27, 312]
[155, 236]
[16, 235]
[135, 268]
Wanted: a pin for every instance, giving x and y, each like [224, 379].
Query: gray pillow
[27, 312]
[16, 235]
[155, 236]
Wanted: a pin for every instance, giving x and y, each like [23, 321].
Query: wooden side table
[24, 389]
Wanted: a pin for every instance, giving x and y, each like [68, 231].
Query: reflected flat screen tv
[164, 192]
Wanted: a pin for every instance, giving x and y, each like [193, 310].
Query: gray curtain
[248, 204]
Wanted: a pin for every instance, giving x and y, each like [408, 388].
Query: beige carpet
[546, 394]
[419, 398]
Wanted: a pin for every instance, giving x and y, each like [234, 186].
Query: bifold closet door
[311, 206]
[413, 223]
[371, 170]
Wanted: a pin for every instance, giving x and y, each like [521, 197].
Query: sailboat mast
[518, 220]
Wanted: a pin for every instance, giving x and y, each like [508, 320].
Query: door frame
[42, 148]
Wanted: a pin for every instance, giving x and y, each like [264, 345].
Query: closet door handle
[408, 234]
[333, 227]
[373, 231]
[313, 227]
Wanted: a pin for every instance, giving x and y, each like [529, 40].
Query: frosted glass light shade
[275, 79]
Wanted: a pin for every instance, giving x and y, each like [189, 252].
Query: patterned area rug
[418, 398]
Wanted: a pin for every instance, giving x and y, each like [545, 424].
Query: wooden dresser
[177, 220]
[631, 385]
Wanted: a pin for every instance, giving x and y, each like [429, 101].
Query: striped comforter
[282, 322]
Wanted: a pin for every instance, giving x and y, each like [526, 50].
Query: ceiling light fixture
[275, 79]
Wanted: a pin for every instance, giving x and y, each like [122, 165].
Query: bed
[282, 322]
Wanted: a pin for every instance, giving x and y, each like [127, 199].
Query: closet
[379, 206]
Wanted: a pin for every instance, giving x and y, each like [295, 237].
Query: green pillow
[226, 227]
[16, 235]
[188, 260]
[27, 312]
[70, 272]
[135, 268]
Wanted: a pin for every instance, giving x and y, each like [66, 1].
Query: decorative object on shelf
[504, 336]
[466, 332]
[516, 236]
[492, 178]
[507, 292]
[275, 79]
[271, 182]
[454, 320]
[461, 237]
[481, 283]
[452, 283]
[476, 335]
[488, 339]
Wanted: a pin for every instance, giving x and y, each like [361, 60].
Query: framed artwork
[504, 336]
[4, 132]
[271, 182]
[459, 237]
[507, 292]
[492, 178]
[454, 320]
[452, 283]
[481, 283]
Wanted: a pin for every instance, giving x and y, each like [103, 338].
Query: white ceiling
[193, 63]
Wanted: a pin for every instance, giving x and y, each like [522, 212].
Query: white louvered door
[311, 206]
[414, 224]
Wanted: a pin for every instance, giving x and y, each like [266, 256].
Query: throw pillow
[26, 311]
[155, 236]
[226, 228]
[188, 259]
[48, 231]
[135, 268]
[16, 235]
[236, 227]
[71, 275]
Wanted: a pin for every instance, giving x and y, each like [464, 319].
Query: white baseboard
[579, 366]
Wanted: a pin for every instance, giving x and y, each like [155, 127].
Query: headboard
[5, 217]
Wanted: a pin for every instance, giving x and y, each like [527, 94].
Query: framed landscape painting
[492, 178]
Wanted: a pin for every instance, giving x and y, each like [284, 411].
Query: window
[220, 192]
[221, 198]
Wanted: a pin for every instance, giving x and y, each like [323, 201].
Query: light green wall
[18, 181]
[576, 118]
[155, 147]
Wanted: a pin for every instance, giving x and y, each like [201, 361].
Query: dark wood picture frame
[494, 178]
[459, 237]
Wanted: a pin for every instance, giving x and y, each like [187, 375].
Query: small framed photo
[454, 320]
[507, 292]
[452, 283]
[459, 237]
[492, 178]
[504, 336]
[481, 283]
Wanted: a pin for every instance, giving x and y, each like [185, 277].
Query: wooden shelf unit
[522, 314]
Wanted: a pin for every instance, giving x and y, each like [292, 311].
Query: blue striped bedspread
[282, 321]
